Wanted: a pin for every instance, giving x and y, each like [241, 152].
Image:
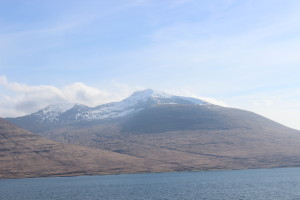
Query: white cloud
[19, 99]
[81, 93]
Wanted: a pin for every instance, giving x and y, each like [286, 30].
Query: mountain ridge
[57, 114]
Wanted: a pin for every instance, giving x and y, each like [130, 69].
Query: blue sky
[242, 54]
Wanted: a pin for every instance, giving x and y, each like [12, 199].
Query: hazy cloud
[18, 99]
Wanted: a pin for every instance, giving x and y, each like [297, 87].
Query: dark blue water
[263, 184]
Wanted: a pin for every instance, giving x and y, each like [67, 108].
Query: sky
[241, 54]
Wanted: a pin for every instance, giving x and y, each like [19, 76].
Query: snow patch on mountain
[116, 109]
[52, 112]
[136, 102]
[146, 94]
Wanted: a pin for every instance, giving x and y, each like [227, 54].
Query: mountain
[178, 133]
[23, 154]
[163, 118]
[61, 114]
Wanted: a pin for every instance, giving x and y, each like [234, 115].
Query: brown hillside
[23, 154]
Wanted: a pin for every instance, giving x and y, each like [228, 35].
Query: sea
[279, 183]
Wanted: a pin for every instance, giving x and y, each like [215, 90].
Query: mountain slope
[178, 133]
[23, 154]
[163, 118]
[206, 149]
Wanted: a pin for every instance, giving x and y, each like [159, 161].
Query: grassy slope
[23, 154]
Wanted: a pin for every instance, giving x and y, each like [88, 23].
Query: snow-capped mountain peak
[52, 112]
[144, 95]
[162, 98]
[137, 101]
